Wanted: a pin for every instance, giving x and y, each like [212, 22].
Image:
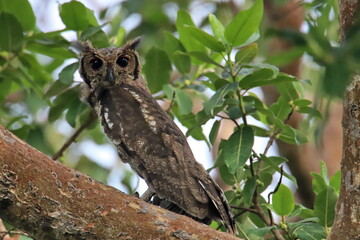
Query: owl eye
[96, 63]
[122, 61]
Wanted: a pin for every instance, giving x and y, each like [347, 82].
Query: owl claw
[147, 195]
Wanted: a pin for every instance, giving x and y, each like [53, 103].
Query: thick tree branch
[48, 200]
[346, 223]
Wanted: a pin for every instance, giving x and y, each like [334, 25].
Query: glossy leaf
[248, 191]
[281, 108]
[274, 162]
[55, 88]
[217, 100]
[74, 111]
[245, 24]
[206, 39]
[51, 50]
[11, 33]
[313, 112]
[291, 135]
[246, 54]
[263, 77]
[238, 148]
[182, 21]
[214, 132]
[66, 75]
[157, 69]
[302, 102]
[283, 201]
[120, 36]
[324, 206]
[76, 16]
[183, 101]
[335, 181]
[318, 183]
[21, 9]
[175, 51]
[217, 27]
[204, 58]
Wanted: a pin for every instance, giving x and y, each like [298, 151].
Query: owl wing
[148, 139]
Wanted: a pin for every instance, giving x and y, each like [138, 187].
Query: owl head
[107, 67]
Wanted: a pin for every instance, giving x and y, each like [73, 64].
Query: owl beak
[110, 76]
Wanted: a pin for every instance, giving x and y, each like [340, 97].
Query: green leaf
[22, 10]
[204, 58]
[302, 102]
[55, 89]
[249, 190]
[313, 112]
[281, 108]
[246, 54]
[157, 69]
[120, 36]
[324, 206]
[318, 183]
[74, 111]
[217, 99]
[184, 19]
[324, 172]
[283, 201]
[291, 135]
[217, 27]
[238, 148]
[51, 50]
[183, 101]
[96, 36]
[60, 103]
[273, 162]
[206, 39]
[335, 181]
[309, 231]
[11, 33]
[175, 51]
[245, 24]
[214, 132]
[66, 75]
[289, 90]
[264, 76]
[76, 16]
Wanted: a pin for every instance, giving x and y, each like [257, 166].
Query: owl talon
[136, 194]
[147, 195]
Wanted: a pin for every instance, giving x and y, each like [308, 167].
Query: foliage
[220, 61]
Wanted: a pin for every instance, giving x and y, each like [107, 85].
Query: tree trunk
[48, 200]
[347, 217]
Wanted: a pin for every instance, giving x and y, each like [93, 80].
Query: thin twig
[275, 190]
[172, 102]
[245, 209]
[72, 139]
[266, 220]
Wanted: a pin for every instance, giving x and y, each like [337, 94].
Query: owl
[145, 136]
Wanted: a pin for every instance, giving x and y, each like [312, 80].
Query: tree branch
[72, 139]
[48, 200]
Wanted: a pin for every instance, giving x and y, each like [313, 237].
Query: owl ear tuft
[132, 44]
[82, 47]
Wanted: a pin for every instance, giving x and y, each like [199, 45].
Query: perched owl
[145, 136]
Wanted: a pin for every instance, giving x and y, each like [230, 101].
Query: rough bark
[347, 216]
[48, 200]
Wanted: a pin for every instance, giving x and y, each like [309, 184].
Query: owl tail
[221, 210]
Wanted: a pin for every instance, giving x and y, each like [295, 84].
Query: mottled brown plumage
[145, 136]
